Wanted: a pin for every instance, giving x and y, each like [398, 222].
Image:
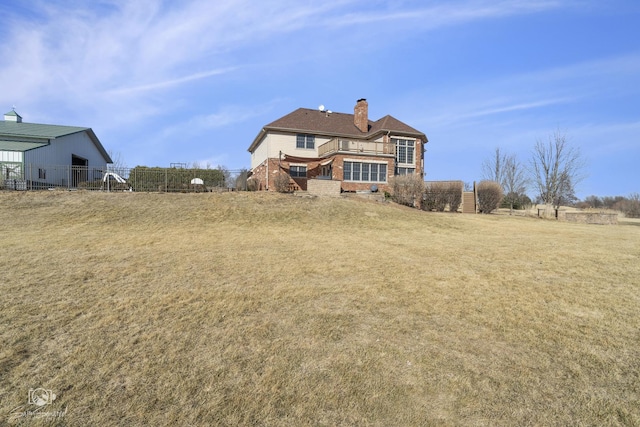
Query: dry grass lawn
[274, 310]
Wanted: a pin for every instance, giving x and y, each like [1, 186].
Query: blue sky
[194, 81]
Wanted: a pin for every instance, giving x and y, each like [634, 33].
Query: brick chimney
[361, 115]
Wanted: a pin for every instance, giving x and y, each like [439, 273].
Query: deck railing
[336, 145]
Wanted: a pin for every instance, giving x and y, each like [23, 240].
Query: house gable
[324, 123]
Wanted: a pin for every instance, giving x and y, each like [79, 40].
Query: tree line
[629, 205]
[553, 171]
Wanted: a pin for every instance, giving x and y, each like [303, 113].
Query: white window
[405, 171]
[405, 151]
[305, 141]
[367, 172]
[298, 171]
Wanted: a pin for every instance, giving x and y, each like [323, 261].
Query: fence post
[166, 184]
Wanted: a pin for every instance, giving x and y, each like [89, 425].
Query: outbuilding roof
[35, 130]
[20, 145]
[29, 133]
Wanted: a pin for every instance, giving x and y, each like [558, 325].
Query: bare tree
[226, 173]
[241, 179]
[631, 206]
[493, 167]
[610, 201]
[505, 169]
[593, 201]
[515, 180]
[566, 191]
[117, 161]
[556, 168]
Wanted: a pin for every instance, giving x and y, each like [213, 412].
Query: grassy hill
[266, 309]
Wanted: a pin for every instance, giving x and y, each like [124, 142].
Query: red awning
[288, 158]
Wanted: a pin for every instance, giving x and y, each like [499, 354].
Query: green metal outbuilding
[36, 155]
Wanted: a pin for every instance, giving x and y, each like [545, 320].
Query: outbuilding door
[79, 168]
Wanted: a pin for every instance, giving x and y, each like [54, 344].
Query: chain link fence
[28, 177]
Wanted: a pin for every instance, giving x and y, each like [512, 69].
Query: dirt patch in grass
[268, 309]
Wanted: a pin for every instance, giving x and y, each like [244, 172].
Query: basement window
[298, 171]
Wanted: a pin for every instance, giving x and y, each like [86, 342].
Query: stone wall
[323, 187]
[590, 217]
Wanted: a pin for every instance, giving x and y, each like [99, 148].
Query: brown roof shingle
[305, 120]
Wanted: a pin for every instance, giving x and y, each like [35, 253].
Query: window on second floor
[405, 151]
[305, 141]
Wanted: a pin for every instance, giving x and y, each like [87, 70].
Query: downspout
[475, 198]
[395, 157]
[422, 150]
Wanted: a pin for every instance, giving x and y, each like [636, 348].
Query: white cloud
[208, 124]
[73, 53]
[449, 13]
[609, 136]
[74, 50]
[461, 113]
[595, 69]
[537, 91]
[169, 83]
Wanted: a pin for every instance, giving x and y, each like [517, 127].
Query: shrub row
[630, 206]
[144, 178]
[489, 196]
[411, 190]
[407, 189]
[440, 195]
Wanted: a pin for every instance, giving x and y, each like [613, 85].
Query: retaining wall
[590, 218]
[323, 187]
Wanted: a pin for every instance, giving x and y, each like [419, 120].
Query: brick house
[351, 151]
